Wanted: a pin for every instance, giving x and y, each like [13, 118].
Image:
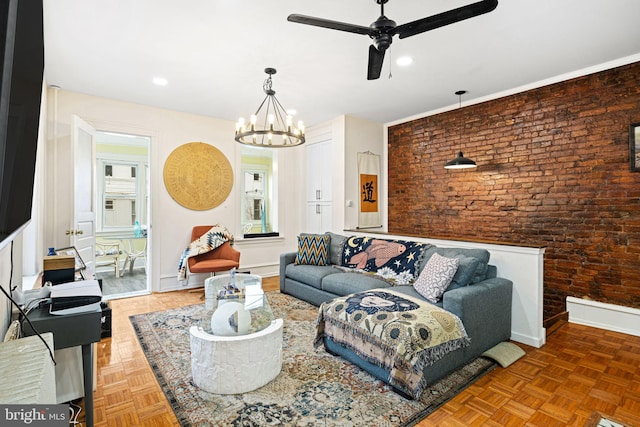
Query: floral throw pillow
[436, 277]
[313, 249]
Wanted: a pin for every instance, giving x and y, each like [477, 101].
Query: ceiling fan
[383, 29]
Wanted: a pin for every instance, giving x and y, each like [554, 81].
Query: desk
[71, 330]
[131, 250]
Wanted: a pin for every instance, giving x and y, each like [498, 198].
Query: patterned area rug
[313, 389]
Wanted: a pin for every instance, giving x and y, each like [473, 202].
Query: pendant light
[460, 162]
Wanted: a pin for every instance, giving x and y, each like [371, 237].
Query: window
[122, 181]
[254, 191]
[259, 195]
[119, 191]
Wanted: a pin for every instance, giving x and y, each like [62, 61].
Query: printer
[75, 297]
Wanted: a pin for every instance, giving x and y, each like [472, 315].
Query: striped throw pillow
[313, 249]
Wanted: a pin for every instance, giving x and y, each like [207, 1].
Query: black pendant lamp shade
[460, 162]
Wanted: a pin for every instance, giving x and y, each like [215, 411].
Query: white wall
[361, 136]
[5, 272]
[171, 223]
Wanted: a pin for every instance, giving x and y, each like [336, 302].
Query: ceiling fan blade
[445, 18]
[376, 58]
[326, 23]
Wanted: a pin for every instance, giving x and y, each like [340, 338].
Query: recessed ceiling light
[160, 81]
[404, 61]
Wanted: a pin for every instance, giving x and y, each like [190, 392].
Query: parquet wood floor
[580, 370]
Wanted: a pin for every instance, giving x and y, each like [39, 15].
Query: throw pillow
[336, 242]
[313, 249]
[436, 276]
[466, 269]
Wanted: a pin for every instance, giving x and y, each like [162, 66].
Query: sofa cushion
[313, 249]
[436, 276]
[347, 283]
[311, 275]
[336, 242]
[482, 255]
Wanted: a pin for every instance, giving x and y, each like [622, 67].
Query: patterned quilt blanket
[396, 332]
[210, 240]
[395, 261]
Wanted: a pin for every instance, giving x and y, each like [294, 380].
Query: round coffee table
[241, 348]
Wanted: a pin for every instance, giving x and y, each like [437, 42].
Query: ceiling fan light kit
[460, 162]
[270, 126]
[382, 30]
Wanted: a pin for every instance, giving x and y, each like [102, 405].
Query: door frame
[153, 274]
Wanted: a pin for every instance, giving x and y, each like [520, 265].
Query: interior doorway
[122, 214]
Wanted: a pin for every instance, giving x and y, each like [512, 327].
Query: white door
[82, 231]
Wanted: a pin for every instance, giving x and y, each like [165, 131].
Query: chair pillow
[436, 277]
[313, 249]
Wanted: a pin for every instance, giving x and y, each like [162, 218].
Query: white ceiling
[213, 52]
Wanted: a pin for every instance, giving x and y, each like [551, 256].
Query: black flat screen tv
[22, 67]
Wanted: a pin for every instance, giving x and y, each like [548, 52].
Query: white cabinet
[318, 217]
[319, 172]
[319, 182]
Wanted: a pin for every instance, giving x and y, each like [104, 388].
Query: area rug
[313, 389]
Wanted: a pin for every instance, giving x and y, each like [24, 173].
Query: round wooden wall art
[198, 176]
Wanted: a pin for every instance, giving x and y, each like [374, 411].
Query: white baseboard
[170, 282]
[604, 316]
[536, 342]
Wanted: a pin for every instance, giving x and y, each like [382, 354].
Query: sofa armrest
[285, 259]
[485, 311]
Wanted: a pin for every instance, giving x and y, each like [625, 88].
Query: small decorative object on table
[230, 291]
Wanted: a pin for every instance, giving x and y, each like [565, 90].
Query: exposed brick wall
[553, 171]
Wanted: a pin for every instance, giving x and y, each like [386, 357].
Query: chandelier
[270, 126]
[460, 162]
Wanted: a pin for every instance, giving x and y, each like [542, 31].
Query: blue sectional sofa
[480, 299]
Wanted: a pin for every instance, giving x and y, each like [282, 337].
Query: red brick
[553, 171]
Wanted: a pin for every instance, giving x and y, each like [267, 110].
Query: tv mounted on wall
[22, 66]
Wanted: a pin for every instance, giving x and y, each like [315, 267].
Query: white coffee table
[246, 352]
